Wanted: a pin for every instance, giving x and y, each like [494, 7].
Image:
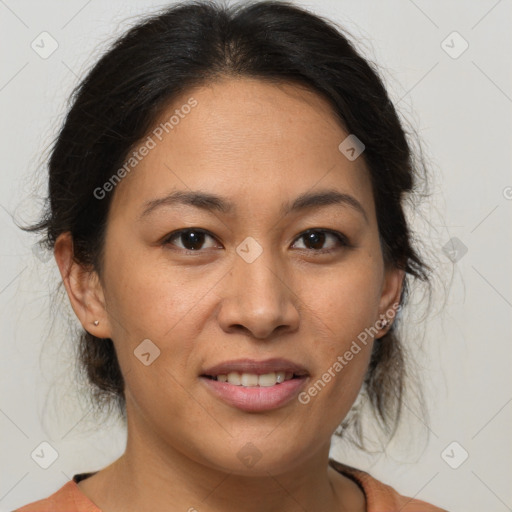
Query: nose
[257, 298]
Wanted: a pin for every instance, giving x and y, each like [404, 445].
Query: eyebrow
[214, 203]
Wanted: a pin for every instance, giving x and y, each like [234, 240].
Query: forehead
[254, 141]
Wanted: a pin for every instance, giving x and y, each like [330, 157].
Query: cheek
[345, 312]
[154, 332]
[346, 298]
[149, 297]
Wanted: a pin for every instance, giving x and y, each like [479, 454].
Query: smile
[250, 380]
[255, 386]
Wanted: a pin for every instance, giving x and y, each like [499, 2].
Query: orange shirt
[379, 496]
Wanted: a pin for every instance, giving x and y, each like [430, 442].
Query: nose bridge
[257, 267]
[257, 297]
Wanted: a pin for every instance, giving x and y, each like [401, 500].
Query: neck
[154, 484]
[153, 476]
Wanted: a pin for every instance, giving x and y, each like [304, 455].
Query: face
[245, 280]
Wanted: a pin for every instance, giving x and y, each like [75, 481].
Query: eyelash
[342, 239]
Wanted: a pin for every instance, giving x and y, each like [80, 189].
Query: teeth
[268, 379]
[253, 380]
[234, 378]
[248, 380]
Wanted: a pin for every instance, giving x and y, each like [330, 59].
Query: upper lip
[255, 367]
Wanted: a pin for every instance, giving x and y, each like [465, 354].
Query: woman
[225, 212]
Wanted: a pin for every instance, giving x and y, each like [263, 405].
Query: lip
[256, 367]
[256, 398]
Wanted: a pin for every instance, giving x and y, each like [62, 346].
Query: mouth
[251, 373]
[252, 385]
[250, 380]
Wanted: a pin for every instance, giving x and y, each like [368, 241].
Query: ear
[390, 298]
[83, 287]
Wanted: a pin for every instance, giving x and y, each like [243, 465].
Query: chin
[256, 457]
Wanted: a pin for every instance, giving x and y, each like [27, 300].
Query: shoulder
[68, 498]
[381, 497]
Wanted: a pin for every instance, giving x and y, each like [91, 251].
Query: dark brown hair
[193, 43]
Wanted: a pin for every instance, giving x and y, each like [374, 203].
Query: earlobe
[83, 288]
[390, 298]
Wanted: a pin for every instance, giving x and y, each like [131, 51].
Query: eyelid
[167, 238]
[342, 245]
[341, 238]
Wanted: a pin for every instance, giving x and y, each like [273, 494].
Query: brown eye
[192, 239]
[315, 240]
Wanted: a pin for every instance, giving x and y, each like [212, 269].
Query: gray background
[460, 102]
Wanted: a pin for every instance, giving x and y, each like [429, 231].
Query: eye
[315, 238]
[192, 238]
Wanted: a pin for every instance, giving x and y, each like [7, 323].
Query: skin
[257, 144]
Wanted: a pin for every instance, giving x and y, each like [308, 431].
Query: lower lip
[256, 398]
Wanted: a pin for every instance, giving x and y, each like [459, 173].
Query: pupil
[193, 238]
[316, 239]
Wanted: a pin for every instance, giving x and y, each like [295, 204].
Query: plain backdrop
[447, 68]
